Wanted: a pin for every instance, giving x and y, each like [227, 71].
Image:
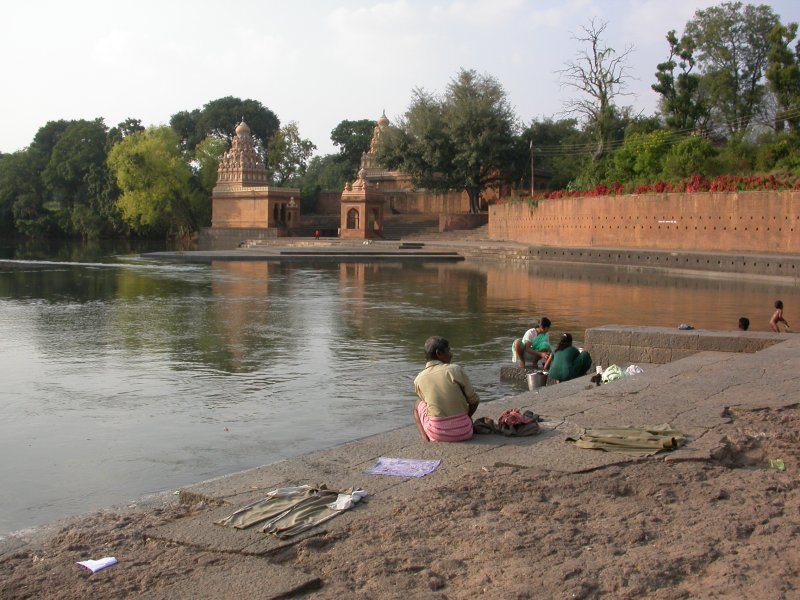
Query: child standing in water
[777, 317]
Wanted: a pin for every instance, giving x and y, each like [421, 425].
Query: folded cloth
[642, 441]
[345, 501]
[288, 511]
[403, 467]
[633, 370]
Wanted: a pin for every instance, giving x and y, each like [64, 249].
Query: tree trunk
[474, 201]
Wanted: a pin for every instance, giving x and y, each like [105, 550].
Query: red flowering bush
[695, 183]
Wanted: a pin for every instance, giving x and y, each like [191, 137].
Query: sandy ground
[729, 528]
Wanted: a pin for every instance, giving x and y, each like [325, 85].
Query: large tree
[57, 186]
[288, 155]
[220, 117]
[683, 105]
[76, 165]
[464, 140]
[732, 45]
[558, 151]
[600, 74]
[156, 183]
[783, 74]
[352, 138]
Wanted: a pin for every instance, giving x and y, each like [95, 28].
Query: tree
[207, 155]
[783, 75]
[155, 183]
[123, 130]
[691, 156]
[323, 173]
[464, 140]
[205, 165]
[17, 182]
[640, 158]
[353, 139]
[77, 158]
[559, 150]
[288, 154]
[600, 74]
[682, 103]
[220, 117]
[732, 46]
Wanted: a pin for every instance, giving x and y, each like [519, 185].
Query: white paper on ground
[101, 563]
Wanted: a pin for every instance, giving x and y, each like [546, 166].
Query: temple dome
[242, 128]
[383, 121]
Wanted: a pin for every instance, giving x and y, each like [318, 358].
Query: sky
[314, 62]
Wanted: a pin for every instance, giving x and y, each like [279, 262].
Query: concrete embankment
[455, 246]
[693, 394]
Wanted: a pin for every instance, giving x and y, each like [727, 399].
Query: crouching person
[447, 401]
[567, 362]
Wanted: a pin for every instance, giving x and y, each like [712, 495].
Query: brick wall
[767, 222]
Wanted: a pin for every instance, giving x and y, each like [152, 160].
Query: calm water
[121, 377]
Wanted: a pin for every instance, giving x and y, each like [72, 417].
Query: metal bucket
[537, 379]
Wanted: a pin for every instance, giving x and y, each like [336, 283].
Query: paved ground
[692, 394]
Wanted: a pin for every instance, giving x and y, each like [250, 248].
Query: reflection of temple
[242, 200]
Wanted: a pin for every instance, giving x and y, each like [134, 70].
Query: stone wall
[764, 222]
[461, 222]
[239, 209]
[623, 345]
[228, 238]
[328, 203]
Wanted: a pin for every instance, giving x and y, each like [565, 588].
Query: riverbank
[474, 245]
[500, 517]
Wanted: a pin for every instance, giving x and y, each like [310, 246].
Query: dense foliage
[463, 140]
[728, 119]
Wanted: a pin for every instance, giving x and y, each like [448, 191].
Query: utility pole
[532, 186]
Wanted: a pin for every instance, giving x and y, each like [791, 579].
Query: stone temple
[243, 205]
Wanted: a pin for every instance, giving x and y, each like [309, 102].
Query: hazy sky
[312, 61]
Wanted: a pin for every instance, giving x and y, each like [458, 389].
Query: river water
[121, 377]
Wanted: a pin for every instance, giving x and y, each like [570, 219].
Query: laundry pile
[291, 510]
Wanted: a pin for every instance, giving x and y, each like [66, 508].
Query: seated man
[534, 345]
[447, 401]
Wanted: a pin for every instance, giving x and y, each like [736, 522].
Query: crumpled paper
[95, 565]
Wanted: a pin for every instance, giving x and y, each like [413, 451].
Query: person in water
[777, 317]
[534, 345]
[566, 362]
[744, 323]
[447, 400]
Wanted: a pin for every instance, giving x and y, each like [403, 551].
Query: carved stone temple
[242, 199]
[362, 205]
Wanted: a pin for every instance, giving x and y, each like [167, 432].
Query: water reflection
[122, 377]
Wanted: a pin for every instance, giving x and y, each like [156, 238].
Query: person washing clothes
[534, 345]
[447, 400]
[567, 362]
